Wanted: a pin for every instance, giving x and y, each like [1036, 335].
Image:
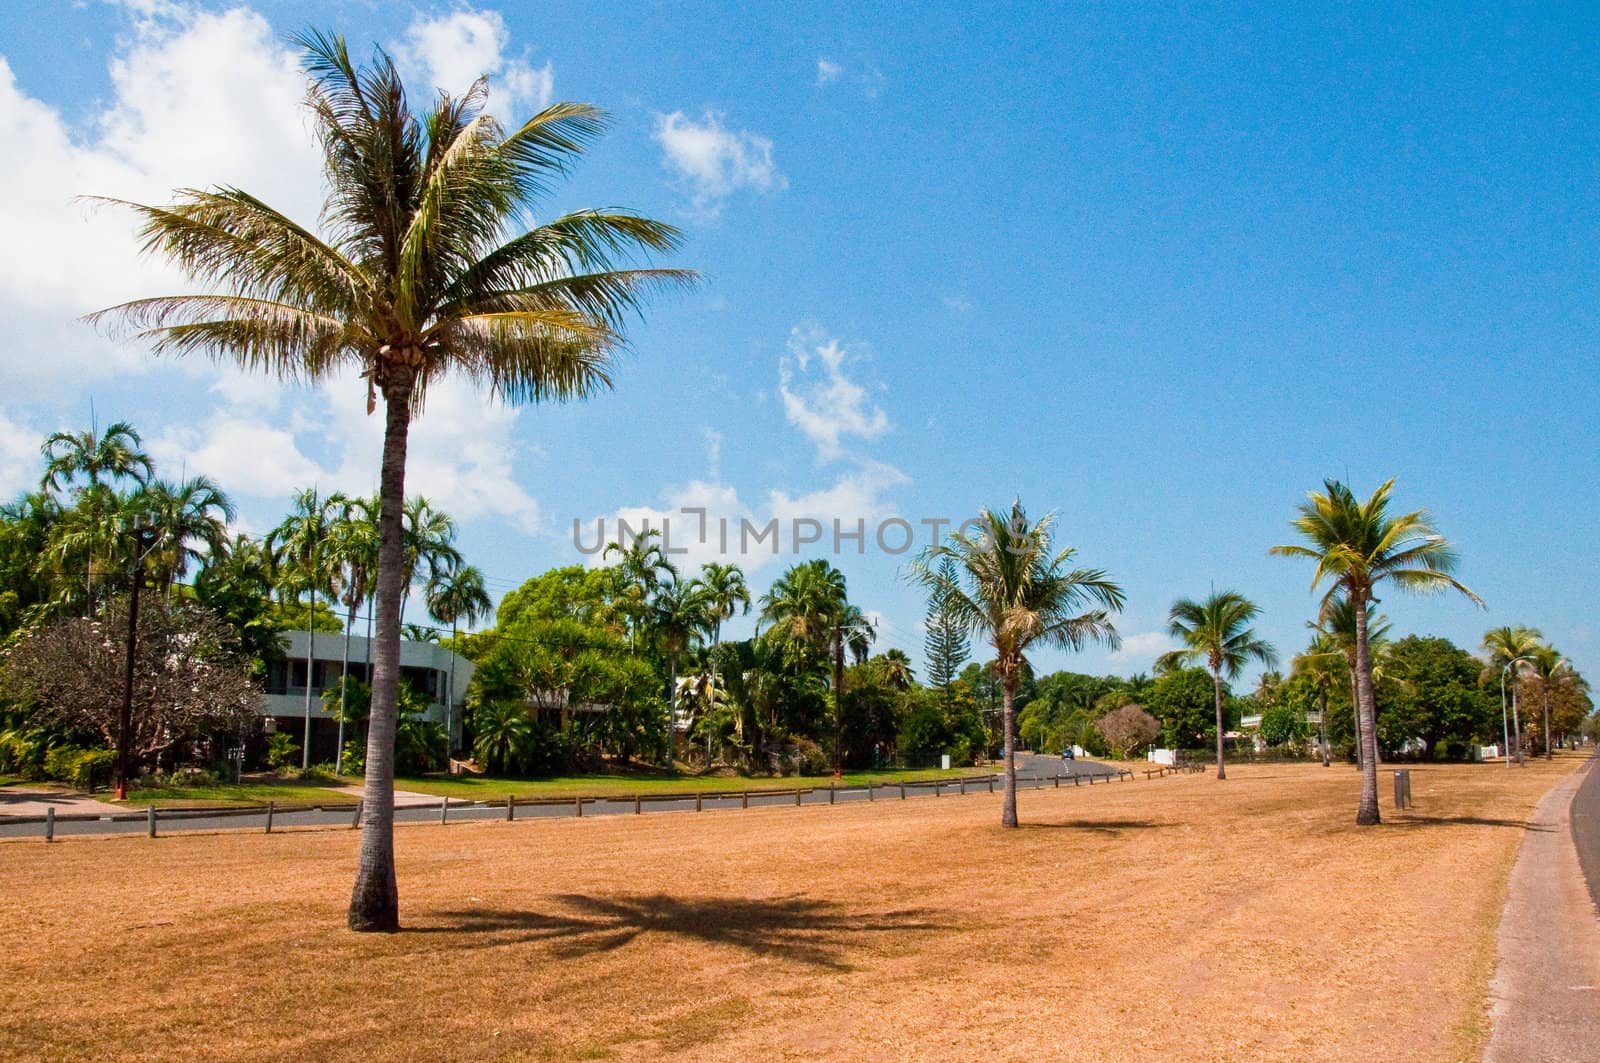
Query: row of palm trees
[427, 267]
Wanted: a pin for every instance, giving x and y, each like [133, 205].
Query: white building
[439, 675]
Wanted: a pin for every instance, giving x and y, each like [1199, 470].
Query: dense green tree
[1509, 650]
[1184, 700]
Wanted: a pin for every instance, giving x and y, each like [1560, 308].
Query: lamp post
[1503, 672]
[144, 537]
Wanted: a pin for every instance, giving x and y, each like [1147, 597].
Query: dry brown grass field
[1180, 917]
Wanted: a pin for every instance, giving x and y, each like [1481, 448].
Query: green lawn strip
[227, 795]
[486, 788]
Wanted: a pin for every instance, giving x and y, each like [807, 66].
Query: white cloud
[20, 464]
[711, 162]
[827, 71]
[243, 453]
[819, 397]
[454, 50]
[197, 99]
[1142, 648]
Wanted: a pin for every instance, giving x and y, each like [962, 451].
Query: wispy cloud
[827, 71]
[710, 162]
[819, 396]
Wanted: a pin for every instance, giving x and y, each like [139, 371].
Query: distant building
[424, 666]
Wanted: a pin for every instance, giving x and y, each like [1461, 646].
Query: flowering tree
[188, 677]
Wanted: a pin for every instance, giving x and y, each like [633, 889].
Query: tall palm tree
[678, 613]
[299, 549]
[724, 592]
[430, 538]
[116, 454]
[353, 551]
[897, 674]
[852, 630]
[455, 596]
[723, 589]
[1357, 546]
[423, 272]
[1013, 587]
[1217, 631]
[1505, 646]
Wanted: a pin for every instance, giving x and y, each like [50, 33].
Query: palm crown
[1357, 544]
[1218, 632]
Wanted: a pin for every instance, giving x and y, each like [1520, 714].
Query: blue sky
[1160, 272]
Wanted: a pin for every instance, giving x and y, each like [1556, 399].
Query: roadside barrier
[329, 816]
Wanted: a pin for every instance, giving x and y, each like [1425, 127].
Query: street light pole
[143, 537]
[1544, 686]
[1503, 672]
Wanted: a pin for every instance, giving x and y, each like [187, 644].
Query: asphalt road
[1033, 772]
[1586, 828]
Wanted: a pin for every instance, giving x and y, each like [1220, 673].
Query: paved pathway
[1546, 987]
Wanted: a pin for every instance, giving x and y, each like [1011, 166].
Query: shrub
[282, 752]
[77, 767]
[354, 761]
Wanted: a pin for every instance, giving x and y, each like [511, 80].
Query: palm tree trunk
[450, 696]
[375, 899]
[344, 684]
[838, 701]
[1516, 725]
[1367, 811]
[1545, 688]
[1355, 707]
[1322, 725]
[1216, 687]
[1008, 805]
[672, 708]
[311, 664]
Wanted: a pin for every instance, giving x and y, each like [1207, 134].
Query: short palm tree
[1012, 585]
[1357, 546]
[1337, 620]
[187, 517]
[1217, 632]
[305, 565]
[424, 271]
[1322, 664]
[1544, 669]
[353, 551]
[678, 613]
[455, 596]
[644, 566]
[1511, 648]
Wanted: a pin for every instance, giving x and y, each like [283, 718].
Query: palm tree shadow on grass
[1097, 826]
[1414, 820]
[801, 929]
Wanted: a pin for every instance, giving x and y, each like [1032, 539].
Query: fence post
[150, 818]
[355, 820]
[938, 788]
[991, 782]
[963, 783]
[830, 793]
[697, 805]
[1058, 783]
[1076, 779]
[638, 806]
[902, 791]
[577, 804]
[444, 810]
[870, 796]
[744, 799]
[272, 804]
[50, 823]
[511, 807]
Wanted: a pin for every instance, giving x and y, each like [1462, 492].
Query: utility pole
[143, 538]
